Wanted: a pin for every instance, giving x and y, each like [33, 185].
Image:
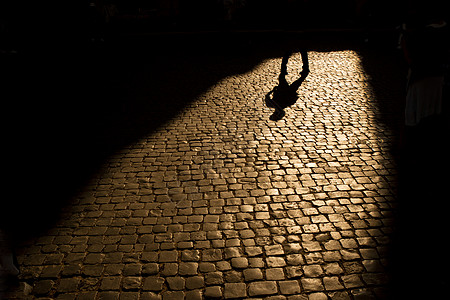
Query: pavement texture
[219, 202]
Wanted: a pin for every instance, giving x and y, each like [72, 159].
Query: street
[199, 195]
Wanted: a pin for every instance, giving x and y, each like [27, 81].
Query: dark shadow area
[176, 15]
[420, 244]
[417, 262]
[419, 249]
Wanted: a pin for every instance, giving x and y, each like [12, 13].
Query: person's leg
[304, 73]
[282, 78]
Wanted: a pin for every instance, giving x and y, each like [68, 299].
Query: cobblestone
[213, 292]
[220, 202]
[261, 288]
[235, 290]
[289, 287]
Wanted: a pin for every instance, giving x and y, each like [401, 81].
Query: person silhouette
[285, 94]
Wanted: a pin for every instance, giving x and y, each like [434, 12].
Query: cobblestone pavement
[222, 203]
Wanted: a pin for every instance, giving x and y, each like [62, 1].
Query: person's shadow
[285, 94]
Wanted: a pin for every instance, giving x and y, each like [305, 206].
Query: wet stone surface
[223, 203]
